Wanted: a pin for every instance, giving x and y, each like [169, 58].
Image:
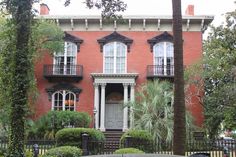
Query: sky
[215, 8]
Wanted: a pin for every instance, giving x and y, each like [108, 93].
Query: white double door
[114, 116]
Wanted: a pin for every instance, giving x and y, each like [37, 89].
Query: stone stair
[112, 140]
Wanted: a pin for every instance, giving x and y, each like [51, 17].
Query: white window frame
[156, 70]
[64, 93]
[115, 58]
[65, 55]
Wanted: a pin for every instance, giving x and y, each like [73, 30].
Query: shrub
[3, 151]
[128, 151]
[64, 151]
[49, 124]
[139, 139]
[73, 137]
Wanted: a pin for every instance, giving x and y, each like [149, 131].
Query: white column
[102, 126]
[125, 117]
[132, 99]
[96, 105]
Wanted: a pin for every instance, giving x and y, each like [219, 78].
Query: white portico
[109, 104]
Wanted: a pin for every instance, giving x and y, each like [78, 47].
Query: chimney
[189, 10]
[44, 10]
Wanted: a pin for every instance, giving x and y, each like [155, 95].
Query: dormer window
[114, 58]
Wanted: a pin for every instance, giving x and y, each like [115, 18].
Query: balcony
[58, 73]
[160, 71]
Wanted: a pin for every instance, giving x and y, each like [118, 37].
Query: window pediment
[63, 86]
[73, 39]
[162, 37]
[115, 37]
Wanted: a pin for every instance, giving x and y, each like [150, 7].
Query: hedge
[64, 151]
[73, 137]
[128, 151]
[140, 139]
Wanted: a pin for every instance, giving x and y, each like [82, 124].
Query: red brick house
[104, 62]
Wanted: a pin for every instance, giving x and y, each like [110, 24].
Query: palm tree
[153, 110]
[179, 102]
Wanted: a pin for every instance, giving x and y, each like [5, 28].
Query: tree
[215, 74]
[219, 76]
[20, 57]
[20, 25]
[153, 110]
[45, 35]
[179, 102]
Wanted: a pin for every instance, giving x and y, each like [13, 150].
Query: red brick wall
[92, 60]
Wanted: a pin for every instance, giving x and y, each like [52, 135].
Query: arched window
[164, 58]
[63, 100]
[114, 58]
[65, 62]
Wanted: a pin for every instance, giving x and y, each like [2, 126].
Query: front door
[114, 116]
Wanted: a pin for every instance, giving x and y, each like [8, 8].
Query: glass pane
[71, 49]
[109, 49]
[159, 50]
[58, 101]
[169, 50]
[120, 49]
[69, 101]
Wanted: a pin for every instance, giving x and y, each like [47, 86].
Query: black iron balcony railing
[161, 71]
[63, 72]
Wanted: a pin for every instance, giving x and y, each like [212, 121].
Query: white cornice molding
[128, 23]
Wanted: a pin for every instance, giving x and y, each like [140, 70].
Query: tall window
[65, 62]
[164, 58]
[114, 58]
[63, 100]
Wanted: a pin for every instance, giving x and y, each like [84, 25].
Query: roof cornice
[129, 23]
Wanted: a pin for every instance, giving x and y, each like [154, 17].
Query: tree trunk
[21, 17]
[179, 104]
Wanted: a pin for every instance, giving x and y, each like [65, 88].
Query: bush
[64, 151]
[139, 139]
[3, 151]
[128, 151]
[73, 137]
[49, 124]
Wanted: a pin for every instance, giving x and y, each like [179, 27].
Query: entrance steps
[112, 139]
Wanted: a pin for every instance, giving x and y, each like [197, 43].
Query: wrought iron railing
[63, 70]
[160, 70]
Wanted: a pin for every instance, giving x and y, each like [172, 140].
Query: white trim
[90, 23]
